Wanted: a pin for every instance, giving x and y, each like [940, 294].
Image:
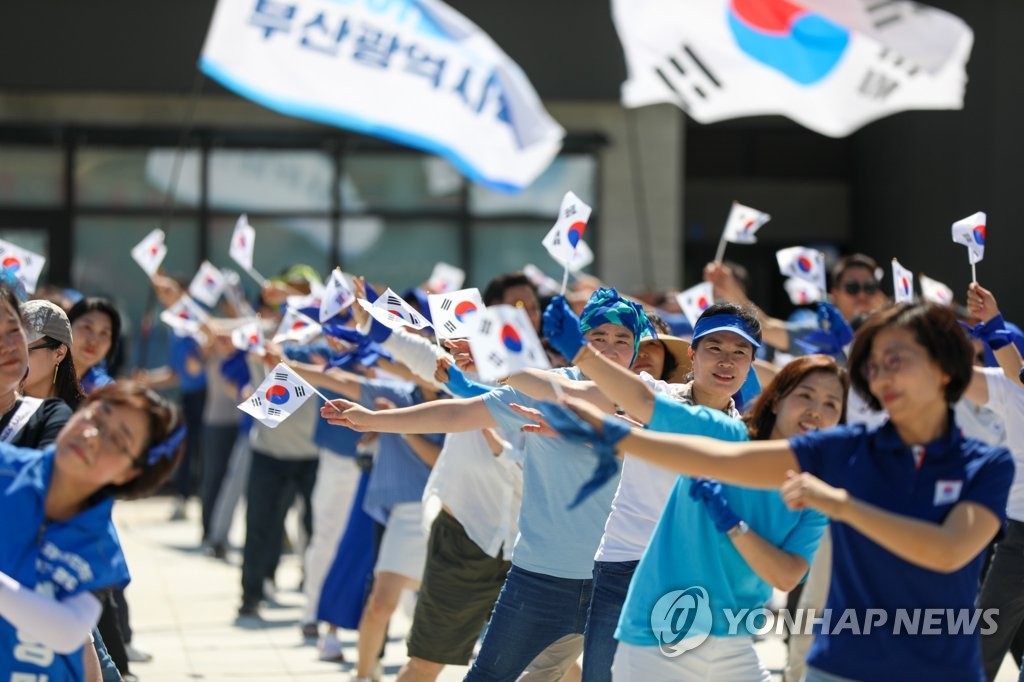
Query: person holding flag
[547, 592]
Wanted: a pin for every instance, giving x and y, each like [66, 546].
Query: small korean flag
[296, 327]
[185, 317]
[22, 263]
[934, 291]
[248, 338]
[947, 492]
[445, 278]
[504, 342]
[207, 285]
[742, 223]
[804, 263]
[971, 233]
[243, 242]
[278, 397]
[453, 314]
[336, 296]
[565, 240]
[696, 300]
[392, 311]
[902, 283]
[802, 292]
[150, 252]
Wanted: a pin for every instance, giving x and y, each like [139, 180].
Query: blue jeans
[533, 610]
[611, 582]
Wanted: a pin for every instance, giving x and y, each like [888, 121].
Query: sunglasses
[854, 288]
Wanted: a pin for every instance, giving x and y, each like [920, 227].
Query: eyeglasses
[854, 288]
[114, 440]
[49, 344]
[890, 364]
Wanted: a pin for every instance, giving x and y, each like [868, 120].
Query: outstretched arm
[541, 385]
[440, 416]
[623, 388]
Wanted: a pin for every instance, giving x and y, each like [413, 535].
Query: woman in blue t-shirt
[59, 542]
[913, 503]
[96, 327]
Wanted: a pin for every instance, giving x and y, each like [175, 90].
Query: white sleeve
[415, 352]
[1004, 397]
[64, 626]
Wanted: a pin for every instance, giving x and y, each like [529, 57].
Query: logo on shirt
[947, 492]
[681, 620]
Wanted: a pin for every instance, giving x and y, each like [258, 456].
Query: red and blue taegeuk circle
[12, 263]
[703, 302]
[800, 44]
[905, 284]
[278, 394]
[804, 264]
[299, 324]
[978, 232]
[575, 233]
[464, 309]
[510, 338]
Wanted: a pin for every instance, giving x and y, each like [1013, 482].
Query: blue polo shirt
[686, 550]
[187, 362]
[96, 377]
[875, 466]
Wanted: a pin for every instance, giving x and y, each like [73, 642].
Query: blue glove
[461, 386]
[562, 328]
[833, 333]
[710, 492]
[571, 427]
[994, 332]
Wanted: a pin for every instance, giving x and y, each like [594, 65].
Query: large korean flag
[830, 65]
[453, 314]
[278, 397]
[414, 72]
[504, 342]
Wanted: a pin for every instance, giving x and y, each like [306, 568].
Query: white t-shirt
[1006, 399]
[643, 491]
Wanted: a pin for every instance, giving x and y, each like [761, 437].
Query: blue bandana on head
[607, 307]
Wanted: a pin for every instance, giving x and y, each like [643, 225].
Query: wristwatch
[739, 529]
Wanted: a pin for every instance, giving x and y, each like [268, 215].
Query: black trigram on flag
[557, 238]
[450, 327]
[686, 75]
[255, 401]
[496, 359]
[394, 300]
[300, 391]
[274, 412]
[485, 327]
[446, 304]
[570, 210]
[281, 376]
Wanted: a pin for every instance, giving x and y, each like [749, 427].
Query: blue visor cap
[724, 323]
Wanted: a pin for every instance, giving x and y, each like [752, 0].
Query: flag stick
[565, 279]
[260, 279]
[721, 249]
[974, 272]
[326, 399]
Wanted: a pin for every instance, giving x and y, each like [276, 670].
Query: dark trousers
[273, 484]
[217, 447]
[192, 405]
[1003, 589]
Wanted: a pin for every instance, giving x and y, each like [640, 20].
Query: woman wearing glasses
[51, 367]
[913, 502]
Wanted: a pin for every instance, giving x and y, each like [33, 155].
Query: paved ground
[183, 612]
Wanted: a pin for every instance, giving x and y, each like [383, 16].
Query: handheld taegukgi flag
[417, 73]
[278, 397]
[565, 239]
[696, 300]
[902, 283]
[802, 292]
[207, 285]
[445, 278]
[243, 246]
[150, 252]
[741, 225]
[453, 314]
[24, 264]
[803, 263]
[935, 291]
[504, 342]
[336, 296]
[296, 327]
[392, 311]
[248, 338]
[185, 316]
[830, 65]
[970, 232]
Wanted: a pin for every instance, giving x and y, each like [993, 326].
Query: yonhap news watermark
[683, 619]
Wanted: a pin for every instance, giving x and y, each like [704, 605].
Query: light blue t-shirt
[687, 550]
[553, 539]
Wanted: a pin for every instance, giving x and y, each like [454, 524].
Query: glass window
[398, 253]
[269, 180]
[31, 176]
[505, 246]
[400, 181]
[114, 177]
[568, 172]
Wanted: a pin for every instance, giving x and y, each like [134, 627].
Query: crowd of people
[631, 505]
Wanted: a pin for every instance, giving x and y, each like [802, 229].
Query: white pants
[722, 659]
[337, 478]
[814, 596]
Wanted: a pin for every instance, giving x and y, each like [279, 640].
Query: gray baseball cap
[46, 319]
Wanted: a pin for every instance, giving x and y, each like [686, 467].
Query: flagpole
[260, 279]
[721, 249]
[974, 272]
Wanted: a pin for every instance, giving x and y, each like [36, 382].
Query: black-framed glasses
[47, 344]
[854, 288]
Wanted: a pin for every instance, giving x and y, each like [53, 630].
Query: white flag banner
[24, 264]
[207, 285]
[392, 311]
[902, 283]
[803, 263]
[336, 296]
[185, 316]
[417, 73]
[278, 397]
[296, 327]
[150, 252]
[743, 222]
[504, 342]
[934, 291]
[248, 338]
[453, 314]
[565, 239]
[235, 294]
[802, 292]
[243, 243]
[970, 232]
[830, 65]
[696, 300]
[446, 278]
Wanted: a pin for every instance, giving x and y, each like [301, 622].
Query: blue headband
[607, 307]
[167, 448]
[724, 323]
